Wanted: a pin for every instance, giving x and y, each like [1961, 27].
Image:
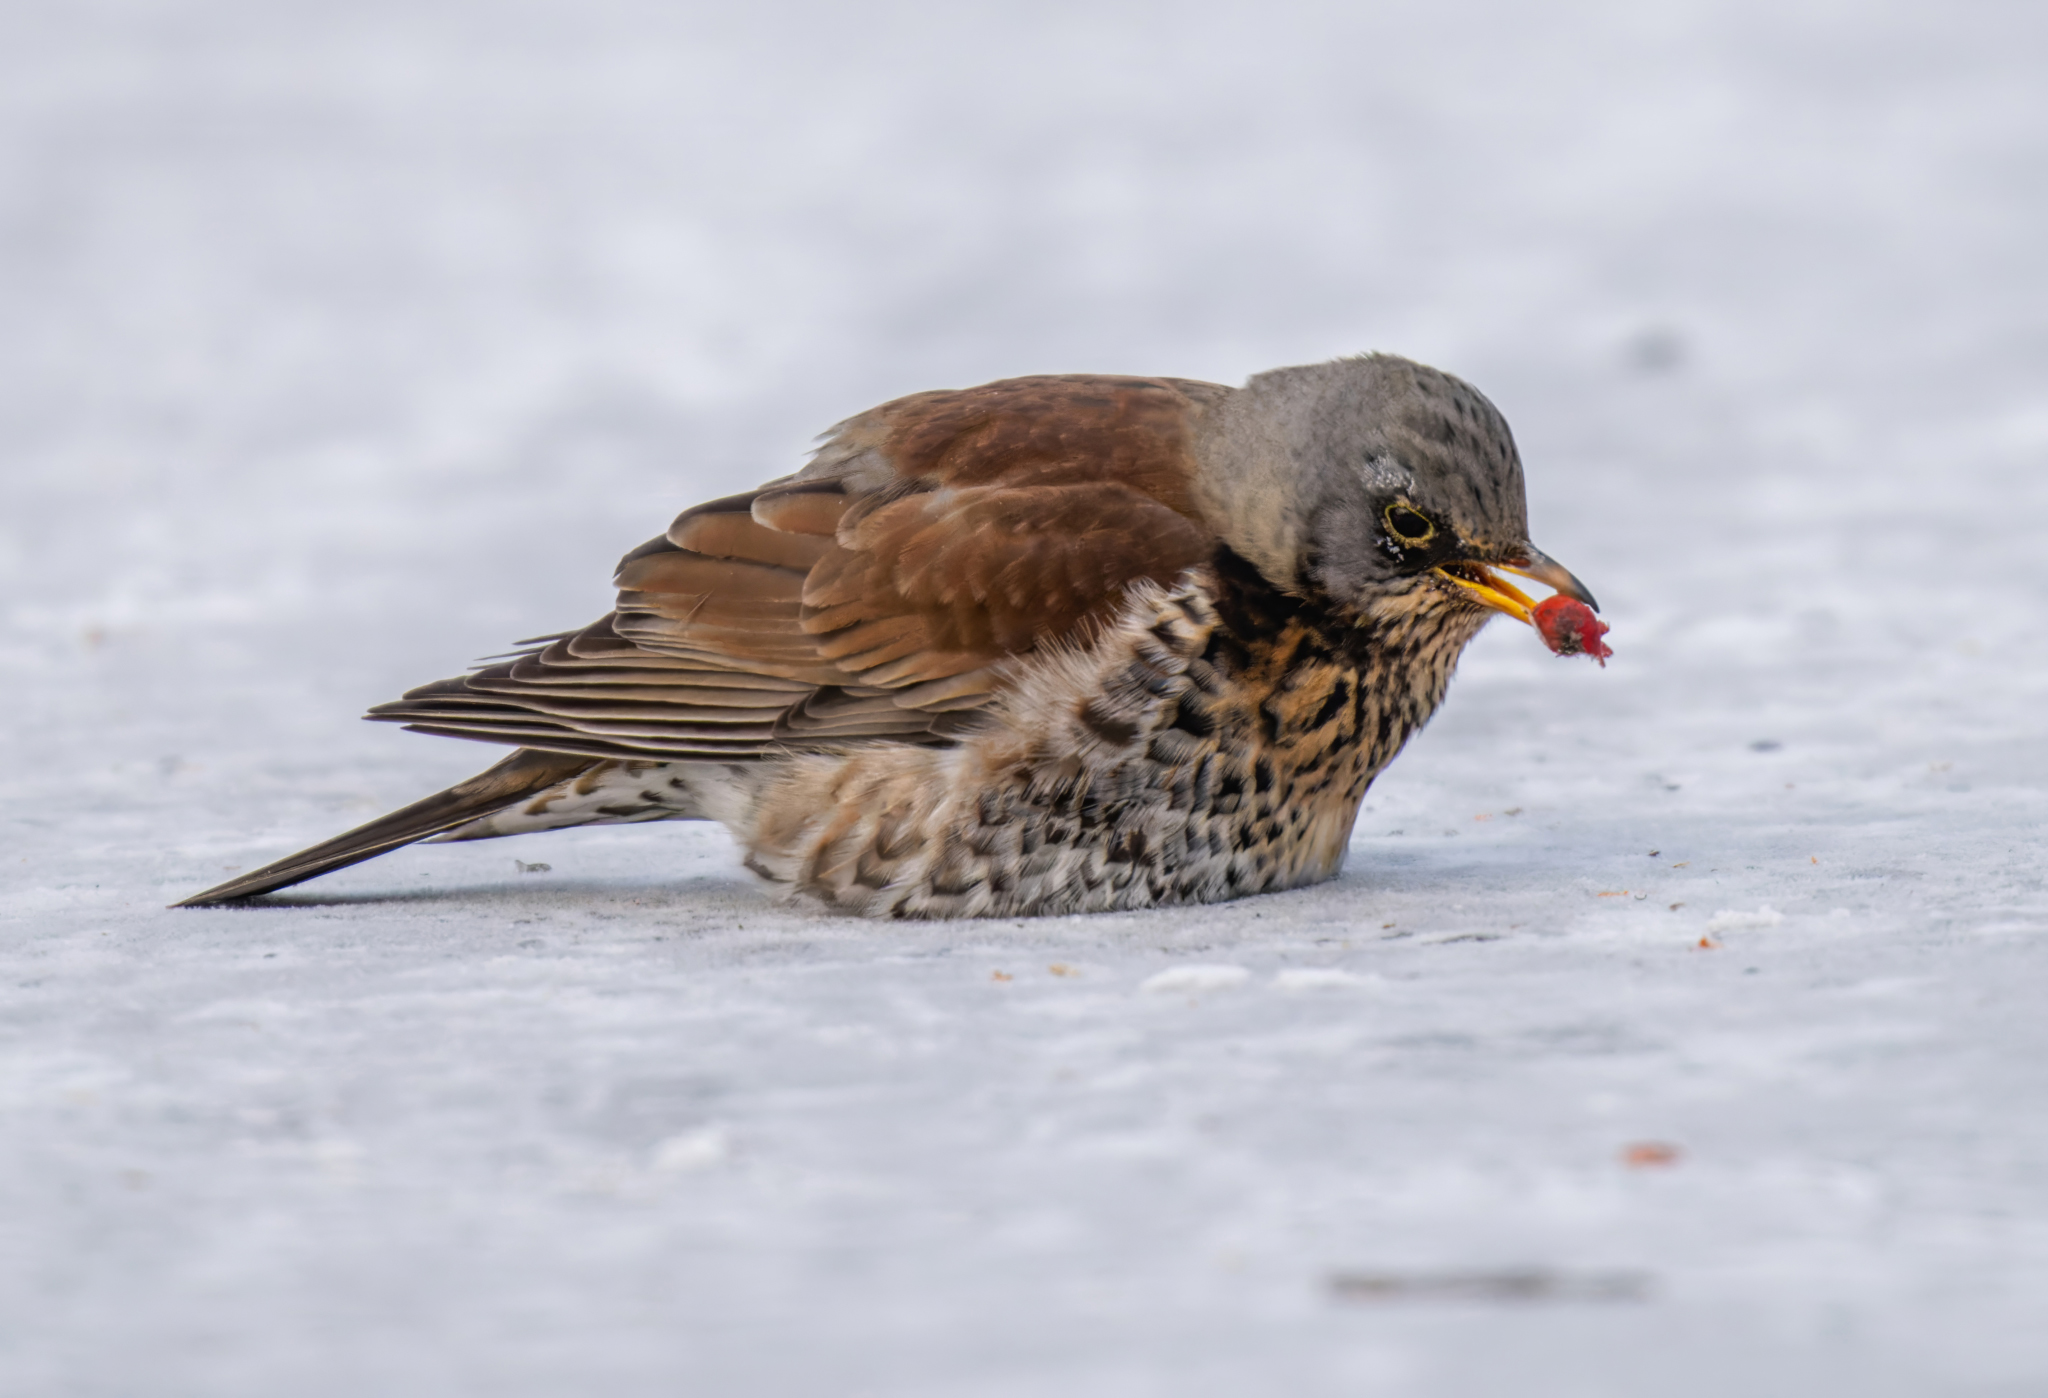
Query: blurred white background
[340, 344]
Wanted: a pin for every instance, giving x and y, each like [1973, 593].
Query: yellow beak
[1495, 591]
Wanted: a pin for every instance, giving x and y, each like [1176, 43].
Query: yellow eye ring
[1407, 524]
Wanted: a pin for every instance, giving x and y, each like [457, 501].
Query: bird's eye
[1408, 526]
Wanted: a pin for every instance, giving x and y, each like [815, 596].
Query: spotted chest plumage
[1215, 742]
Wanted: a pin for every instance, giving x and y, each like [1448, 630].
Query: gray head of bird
[1374, 478]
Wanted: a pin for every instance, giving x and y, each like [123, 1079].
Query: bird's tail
[523, 774]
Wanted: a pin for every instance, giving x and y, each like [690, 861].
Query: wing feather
[875, 596]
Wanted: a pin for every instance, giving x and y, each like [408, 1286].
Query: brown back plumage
[876, 594]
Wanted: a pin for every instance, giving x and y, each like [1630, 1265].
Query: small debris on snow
[1516, 1287]
[1655, 349]
[693, 1150]
[1649, 1155]
[1321, 978]
[1730, 920]
[1182, 980]
[1061, 968]
[1000, 976]
[526, 868]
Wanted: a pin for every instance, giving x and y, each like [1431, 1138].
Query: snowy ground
[344, 343]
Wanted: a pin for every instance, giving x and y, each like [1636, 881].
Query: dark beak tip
[1548, 571]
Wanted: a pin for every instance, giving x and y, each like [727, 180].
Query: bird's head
[1378, 483]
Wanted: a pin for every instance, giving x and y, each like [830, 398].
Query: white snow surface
[344, 343]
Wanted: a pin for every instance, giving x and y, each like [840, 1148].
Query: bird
[1057, 644]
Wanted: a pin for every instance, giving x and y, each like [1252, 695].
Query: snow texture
[1195, 978]
[1729, 920]
[344, 343]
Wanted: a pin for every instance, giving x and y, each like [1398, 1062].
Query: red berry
[1570, 628]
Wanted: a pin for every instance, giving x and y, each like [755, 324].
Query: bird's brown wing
[875, 595]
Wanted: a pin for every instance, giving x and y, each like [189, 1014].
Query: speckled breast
[1216, 742]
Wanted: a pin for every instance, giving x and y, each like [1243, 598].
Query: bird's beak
[1495, 591]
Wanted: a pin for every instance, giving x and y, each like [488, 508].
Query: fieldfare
[1051, 645]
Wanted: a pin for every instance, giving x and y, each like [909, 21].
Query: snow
[693, 1150]
[1322, 978]
[343, 344]
[1730, 919]
[1193, 979]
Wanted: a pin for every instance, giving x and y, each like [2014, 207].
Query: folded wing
[876, 596]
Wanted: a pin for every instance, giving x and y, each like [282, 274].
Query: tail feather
[519, 776]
